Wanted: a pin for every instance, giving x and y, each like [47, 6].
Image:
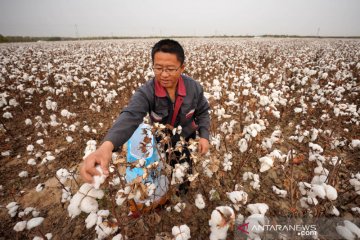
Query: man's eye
[171, 69]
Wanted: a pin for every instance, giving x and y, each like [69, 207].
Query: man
[170, 98]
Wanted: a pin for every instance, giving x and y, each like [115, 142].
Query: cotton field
[285, 136]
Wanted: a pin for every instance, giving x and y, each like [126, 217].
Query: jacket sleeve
[129, 119]
[202, 115]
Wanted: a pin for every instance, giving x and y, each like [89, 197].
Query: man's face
[167, 69]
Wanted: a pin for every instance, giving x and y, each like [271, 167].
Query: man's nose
[165, 73]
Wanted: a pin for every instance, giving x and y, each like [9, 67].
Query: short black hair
[169, 46]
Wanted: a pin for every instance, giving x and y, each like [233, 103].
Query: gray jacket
[190, 110]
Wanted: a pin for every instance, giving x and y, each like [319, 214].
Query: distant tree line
[5, 39]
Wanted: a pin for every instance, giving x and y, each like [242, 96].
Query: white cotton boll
[181, 232]
[34, 222]
[7, 115]
[319, 179]
[23, 174]
[247, 175]
[199, 201]
[28, 121]
[89, 204]
[331, 192]
[303, 186]
[316, 147]
[266, 163]
[66, 195]
[69, 139]
[120, 199]
[98, 180]
[264, 100]
[303, 202]
[298, 110]
[5, 153]
[31, 161]
[237, 197]
[20, 226]
[73, 209]
[257, 208]
[28, 210]
[30, 148]
[352, 227]
[179, 207]
[50, 158]
[356, 184]
[219, 225]
[355, 143]
[227, 165]
[277, 191]
[314, 134]
[276, 114]
[91, 220]
[118, 237]
[319, 190]
[356, 210]
[40, 187]
[243, 145]
[253, 133]
[103, 230]
[35, 213]
[334, 211]
[345, 233]
[255, 185]
[320, 170]
[12, 208]
[86, 128]
[62, 174]
[141, 162]
[312, 200]
[89, 190]
[90, 147]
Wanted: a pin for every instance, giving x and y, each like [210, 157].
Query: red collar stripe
[160, 91]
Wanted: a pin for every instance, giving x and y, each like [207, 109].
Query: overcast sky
[82, 18]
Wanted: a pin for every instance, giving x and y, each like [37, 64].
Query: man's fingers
[105, 167]
[200, 148]
[93, 172]
[87, 177]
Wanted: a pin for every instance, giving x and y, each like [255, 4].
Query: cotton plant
[243, 145]
[104, 225]
[281, 193]
[90, 147]
[199, 201]
[179, 173]
[255, 183]
[315, 191]
[12, 208]
[48, 158]
[238, 198]
[348, 231]
[227, 161]
[266, 163]
[222, 219]
[215, 141]
[85, 200]
[355, 182]
[179, 207]
[181, 232]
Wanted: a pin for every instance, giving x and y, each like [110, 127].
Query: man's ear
[182, 67]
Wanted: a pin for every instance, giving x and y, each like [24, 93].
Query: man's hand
[203, 145]
[102, 157]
